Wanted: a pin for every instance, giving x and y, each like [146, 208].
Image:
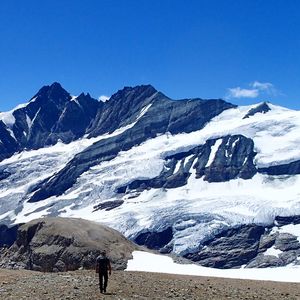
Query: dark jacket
[103, 264]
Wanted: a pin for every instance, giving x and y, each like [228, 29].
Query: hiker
[103, 267]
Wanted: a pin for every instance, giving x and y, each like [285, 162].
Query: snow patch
[103, 98]
[149, 262]
[29, 122]
[177, 167]
[293, 229]
[273, 251]
[8, 118]
[74, 99]
[214, 149]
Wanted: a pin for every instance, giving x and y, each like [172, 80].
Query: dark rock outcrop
[285, 220]
[261, 108]
[286, 242]
[108, 205]
[266, 242]
[8, 145]
[61, 244]
[155, 240]
[290, 257]
[265, 261]
[4, 174]
[8, 235]
[247, 245]
[291, 168]
[233, 159]
[230, 248]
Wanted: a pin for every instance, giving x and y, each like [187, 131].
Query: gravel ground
[137, 285]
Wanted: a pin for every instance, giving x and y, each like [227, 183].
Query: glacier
[195, 211]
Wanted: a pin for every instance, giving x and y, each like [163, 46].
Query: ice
[8, 118]
[213, 152]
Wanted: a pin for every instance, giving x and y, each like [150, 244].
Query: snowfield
[196, 210]
[149, 262]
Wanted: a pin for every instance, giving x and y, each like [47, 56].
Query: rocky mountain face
[205, 179]
[163, 115]
[228, 164]
[63, 244]
[51, 115]
[250, 245]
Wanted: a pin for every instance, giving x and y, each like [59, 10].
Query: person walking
[103, 267]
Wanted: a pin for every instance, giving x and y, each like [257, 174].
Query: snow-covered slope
[154, 191]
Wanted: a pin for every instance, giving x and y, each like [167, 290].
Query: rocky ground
[136, 285]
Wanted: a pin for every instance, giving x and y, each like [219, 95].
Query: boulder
[265, 261]
[286, 242]
[266, 241]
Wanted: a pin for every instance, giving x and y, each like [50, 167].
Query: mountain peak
[52, 91]
[56, 85]
[142, 87]
[134, 92]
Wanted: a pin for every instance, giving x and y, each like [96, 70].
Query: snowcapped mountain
[51, 115]
[213, 182]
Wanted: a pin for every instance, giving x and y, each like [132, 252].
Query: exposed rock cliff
[61, 244]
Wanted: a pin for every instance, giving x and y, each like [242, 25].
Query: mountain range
[208, 180]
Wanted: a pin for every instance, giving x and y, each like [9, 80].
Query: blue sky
[244, 51]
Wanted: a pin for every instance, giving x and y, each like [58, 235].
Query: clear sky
[244, 51]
